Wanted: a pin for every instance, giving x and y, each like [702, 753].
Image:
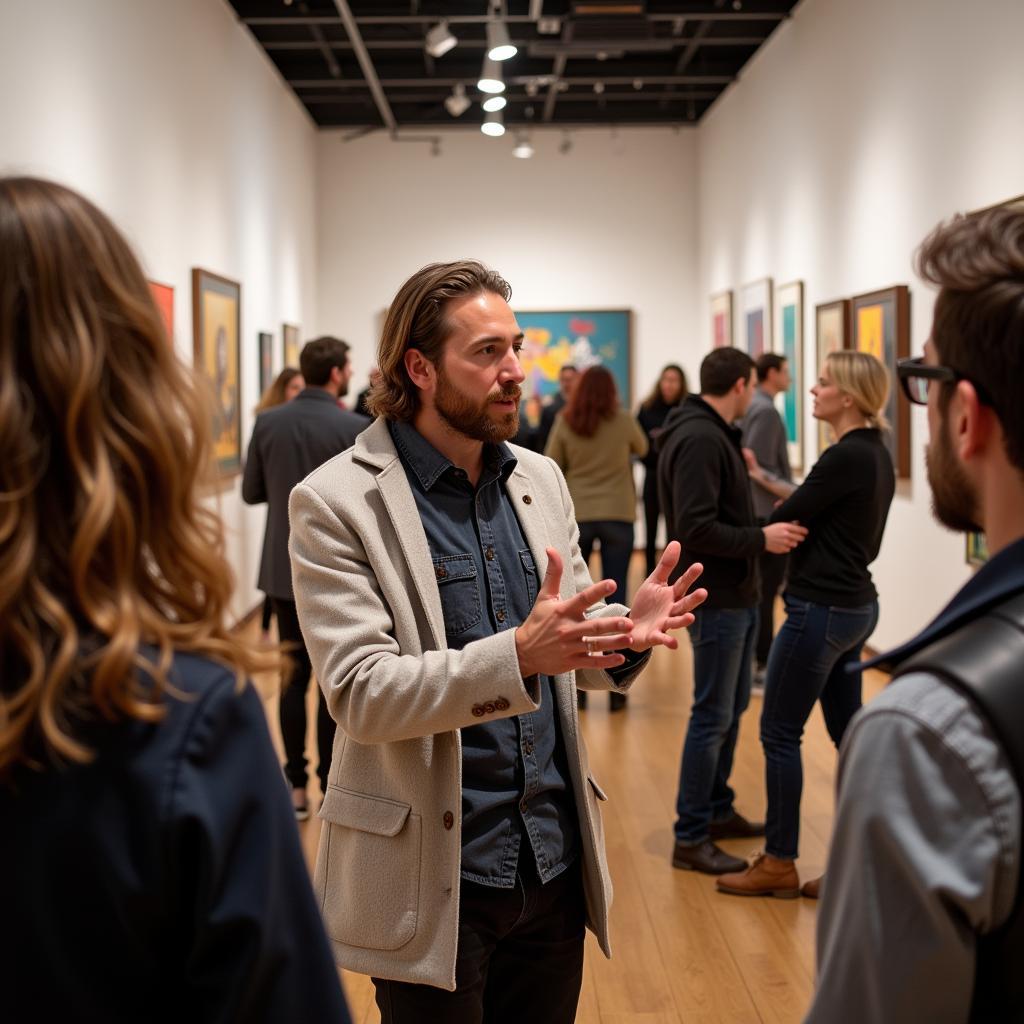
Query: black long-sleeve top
[844, 503]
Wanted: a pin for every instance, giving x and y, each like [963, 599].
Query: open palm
[660, 608]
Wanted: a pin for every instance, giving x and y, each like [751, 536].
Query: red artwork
[163, 295]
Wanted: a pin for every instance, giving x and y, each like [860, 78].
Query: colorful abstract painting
[756, 317]
[832, 325]
[789, 301]
[583, 338]
[721, 319]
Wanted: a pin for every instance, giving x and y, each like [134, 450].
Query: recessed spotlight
[493, 103]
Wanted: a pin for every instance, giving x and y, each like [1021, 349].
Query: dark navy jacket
[164, 881]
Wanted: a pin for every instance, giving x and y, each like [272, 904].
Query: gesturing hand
[557, 637]
[659, 607]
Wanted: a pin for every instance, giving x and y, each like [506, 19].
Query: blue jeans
[723, 647]
[808, 662]
[616, 550]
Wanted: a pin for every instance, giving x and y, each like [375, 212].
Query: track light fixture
[440, 40]
[494, 124]
[523, 149]
[499, 45]
[566, 144]
[458, 103]
[494, 103]
[491, 79]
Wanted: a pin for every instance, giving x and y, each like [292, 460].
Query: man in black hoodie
[705, 492]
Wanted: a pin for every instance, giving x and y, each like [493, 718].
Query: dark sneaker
[616, 701]
[735, 827]
[300, 804]
[706, 858]
[581, 700]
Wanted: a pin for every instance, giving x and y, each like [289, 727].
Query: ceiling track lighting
[499, 45]
[491, 78]
[440, 40]
[566, 144]
[493, 103]
[494, 124]
[458, 103]
[523, 150]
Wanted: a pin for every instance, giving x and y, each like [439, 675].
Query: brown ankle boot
[765, 876]
[812, 889]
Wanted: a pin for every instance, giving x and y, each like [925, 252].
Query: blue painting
[583, 338]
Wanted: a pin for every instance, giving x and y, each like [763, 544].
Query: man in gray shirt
[764, 434]
[921, 916]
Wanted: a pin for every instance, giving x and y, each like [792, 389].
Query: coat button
[527, 748]
[441, 572]
[501, 704]
[527, 500]
[449, 820]
[489, 554]
[478, 711]
[522, 804]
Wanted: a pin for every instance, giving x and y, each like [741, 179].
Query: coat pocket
[372, 869]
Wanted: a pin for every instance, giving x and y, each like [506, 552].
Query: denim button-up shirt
[515, 774]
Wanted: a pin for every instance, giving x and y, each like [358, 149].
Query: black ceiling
[580, 62]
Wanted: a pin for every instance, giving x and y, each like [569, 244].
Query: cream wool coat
[387, 873]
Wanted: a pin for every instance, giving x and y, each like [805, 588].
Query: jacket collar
[734, 433]
[1000, 578]
[316, 395]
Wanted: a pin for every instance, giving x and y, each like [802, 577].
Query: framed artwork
[755, 335]
[163, 296]
[789, 343]
[585, 338]
[266, 349]
[832, 333]
[292, 348]
[721, 319]
[216, 334]
[881, 327]
[977, 549]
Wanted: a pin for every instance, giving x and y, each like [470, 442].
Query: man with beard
[462, 852]
[289, 441]
[922, 916]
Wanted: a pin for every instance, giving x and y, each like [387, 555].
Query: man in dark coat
[288, 442]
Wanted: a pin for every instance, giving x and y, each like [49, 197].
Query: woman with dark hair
[150, 867]
[286, 385]
[668, 393]
[593, 442]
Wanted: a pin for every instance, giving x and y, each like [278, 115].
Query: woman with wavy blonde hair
[145, 820]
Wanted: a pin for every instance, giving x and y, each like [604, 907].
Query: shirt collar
[998, 579]
[430, 465]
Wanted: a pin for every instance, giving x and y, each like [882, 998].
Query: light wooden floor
[684, 954]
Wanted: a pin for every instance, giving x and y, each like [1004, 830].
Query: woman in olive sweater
[593, 441]
[831, 603]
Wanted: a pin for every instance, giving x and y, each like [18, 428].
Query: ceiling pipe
[369, 72]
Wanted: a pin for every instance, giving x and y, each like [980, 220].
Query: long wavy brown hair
[594, 400]
[108, 562]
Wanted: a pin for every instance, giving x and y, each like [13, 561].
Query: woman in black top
[150, 867]
[831, 603]
[668, 393]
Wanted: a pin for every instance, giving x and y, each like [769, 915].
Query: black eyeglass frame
[915, 368]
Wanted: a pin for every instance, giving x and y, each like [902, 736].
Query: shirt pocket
[530, 572]
[460, 592]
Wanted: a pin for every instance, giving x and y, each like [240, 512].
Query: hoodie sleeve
[695, 479]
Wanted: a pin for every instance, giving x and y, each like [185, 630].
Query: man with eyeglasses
[922, 914]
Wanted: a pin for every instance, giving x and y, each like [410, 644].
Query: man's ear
[421, 370]
[972, 424]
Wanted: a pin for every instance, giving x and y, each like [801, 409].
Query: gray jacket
[288, 443]
[765, 434]
[387, 873]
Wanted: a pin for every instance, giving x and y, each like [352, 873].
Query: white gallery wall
[171, 119]
[608, 225]
[858, 127]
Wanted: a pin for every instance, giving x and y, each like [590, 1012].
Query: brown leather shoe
[765, 876]
[812, 889]
[705, 857]
[735, 827]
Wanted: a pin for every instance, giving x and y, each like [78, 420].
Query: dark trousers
[652, 513]
[292, 706]
[616, 550]
[809, 662]
[267, 613]
[519, 960]
[773, 572]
